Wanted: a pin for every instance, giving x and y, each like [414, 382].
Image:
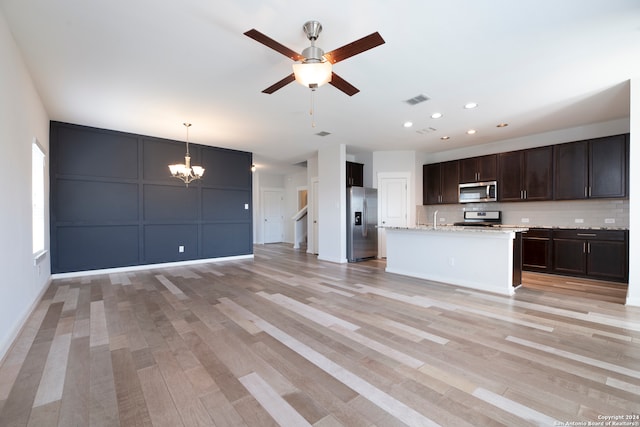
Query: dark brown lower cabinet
[536, 250]
[607, 260]
[597, 254]
[569, 256]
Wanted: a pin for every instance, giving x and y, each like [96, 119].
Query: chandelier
[186, 172]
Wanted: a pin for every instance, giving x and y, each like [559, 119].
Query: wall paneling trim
[114, 204]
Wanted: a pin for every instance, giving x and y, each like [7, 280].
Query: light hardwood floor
[574, 286]
[287, 340]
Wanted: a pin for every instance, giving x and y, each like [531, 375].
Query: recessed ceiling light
[444, 138]
[470, 105]
[436, 115]
[407, 124]
[502, 125]
[471, 131]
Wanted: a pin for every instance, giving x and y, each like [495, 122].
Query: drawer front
[542, 233]
[612, 235]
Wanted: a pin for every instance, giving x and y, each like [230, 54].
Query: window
[37, 196]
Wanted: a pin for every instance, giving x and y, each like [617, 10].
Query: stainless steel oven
[481, 218]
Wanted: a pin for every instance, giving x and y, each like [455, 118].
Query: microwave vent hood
[478, 192]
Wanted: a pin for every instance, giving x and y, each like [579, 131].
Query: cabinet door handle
[587, 234]
[584, 247]
[588, 247]
[589, 191]
[586, 192]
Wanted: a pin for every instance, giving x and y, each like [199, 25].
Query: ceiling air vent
[323, 133]
[417, 99]
[426, 130]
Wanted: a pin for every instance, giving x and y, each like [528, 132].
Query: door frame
[312, 210]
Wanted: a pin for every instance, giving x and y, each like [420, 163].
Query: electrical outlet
[246, 206]
[524, 220]
[579, 221]
[180, 249]
[452, 261]
[609, 220]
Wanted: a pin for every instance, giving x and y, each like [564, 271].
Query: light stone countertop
[458, 228]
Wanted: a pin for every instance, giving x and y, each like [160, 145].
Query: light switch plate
[579, 221]
[609, 220]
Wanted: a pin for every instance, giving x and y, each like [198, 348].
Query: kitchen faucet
[435, 219]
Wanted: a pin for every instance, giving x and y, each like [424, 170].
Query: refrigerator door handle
[366, 218]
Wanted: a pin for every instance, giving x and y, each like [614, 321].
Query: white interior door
[392, 206]
[273, 208]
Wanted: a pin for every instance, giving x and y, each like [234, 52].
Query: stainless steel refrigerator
[362, 220]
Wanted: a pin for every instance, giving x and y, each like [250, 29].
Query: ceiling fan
[314, 66]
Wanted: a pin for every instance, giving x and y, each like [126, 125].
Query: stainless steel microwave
[478, 192]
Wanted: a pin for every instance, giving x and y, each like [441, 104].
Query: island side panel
[480, 260]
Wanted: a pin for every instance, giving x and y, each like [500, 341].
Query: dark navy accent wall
[114, 204]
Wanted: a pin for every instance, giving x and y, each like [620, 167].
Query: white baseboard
[5, 347]
[635, 302]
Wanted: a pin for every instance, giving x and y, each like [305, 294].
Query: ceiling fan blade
[340, 83]
[269, 42]
[282, 83]
[354, 48]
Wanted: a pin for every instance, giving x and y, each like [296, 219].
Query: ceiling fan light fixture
[312, 74]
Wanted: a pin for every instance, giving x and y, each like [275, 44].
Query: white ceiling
[147, 66]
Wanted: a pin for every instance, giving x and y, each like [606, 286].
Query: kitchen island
[483, 258]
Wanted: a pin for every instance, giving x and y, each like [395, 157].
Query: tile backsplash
[609, 213]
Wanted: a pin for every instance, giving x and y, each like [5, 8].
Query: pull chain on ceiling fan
[315, 67]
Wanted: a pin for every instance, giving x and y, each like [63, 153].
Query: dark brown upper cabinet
[355, 174]
[526, 175]
[479, 169]
[597, 168]
[440, 183]
[608, 167]
[571, 171]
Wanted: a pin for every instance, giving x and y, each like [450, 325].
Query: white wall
[312, 174]
[22, 117]
[367, 172]
[633, 294]
[332, 216]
